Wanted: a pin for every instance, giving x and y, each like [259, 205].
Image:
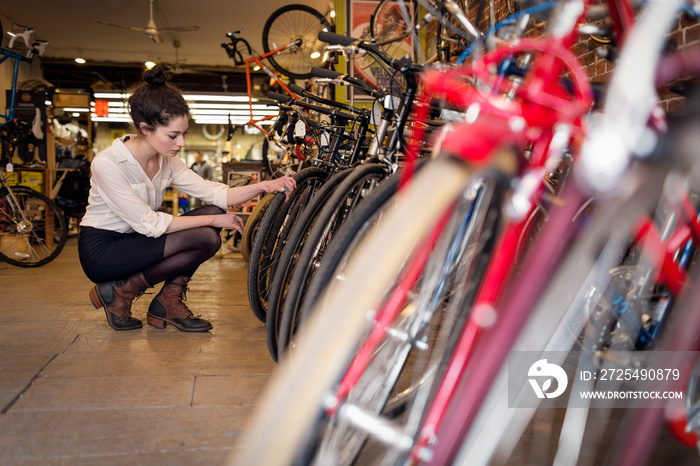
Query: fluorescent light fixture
[218, 97]
[215, 108]
[76, 109]
[111, 95]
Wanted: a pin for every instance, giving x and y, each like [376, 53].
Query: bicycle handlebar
[329, 74]
[331, 38]
[399, 64]
[326, 111]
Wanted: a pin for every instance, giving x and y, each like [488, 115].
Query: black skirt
[108, 255]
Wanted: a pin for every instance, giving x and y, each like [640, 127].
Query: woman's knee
[210, 239]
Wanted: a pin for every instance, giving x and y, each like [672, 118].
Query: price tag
[325, 139]
[299, 129]
[9, 167]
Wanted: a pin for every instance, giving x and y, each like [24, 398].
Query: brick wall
[686, 32]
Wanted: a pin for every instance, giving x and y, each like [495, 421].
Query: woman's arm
[227, 220]
[234, 196]
[240, 194]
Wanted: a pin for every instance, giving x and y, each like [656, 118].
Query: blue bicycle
[33, 229]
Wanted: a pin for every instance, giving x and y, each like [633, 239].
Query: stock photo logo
[541, 374]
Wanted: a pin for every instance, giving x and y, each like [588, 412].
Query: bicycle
[33, 229]
[334, 402]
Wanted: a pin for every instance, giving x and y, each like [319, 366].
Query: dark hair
[155, 101]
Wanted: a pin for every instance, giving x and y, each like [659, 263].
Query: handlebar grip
[331, 38]
[324, 73]
[296, 89]
[279, 97]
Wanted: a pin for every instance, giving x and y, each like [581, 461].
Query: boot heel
[95, 298]
[155, 321]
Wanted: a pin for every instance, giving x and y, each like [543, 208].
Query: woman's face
[168, 139]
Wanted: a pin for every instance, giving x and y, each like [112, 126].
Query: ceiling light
[332, 13]
[315, 55]
[150, 64]
[80, 60]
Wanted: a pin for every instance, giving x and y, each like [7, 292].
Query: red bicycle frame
[541, 105]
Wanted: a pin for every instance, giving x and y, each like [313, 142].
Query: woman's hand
[285, 184]
[228, 220]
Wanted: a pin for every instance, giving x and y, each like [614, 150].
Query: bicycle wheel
[305, 381]
[290, 24]
[272, 231]
[33, 230]
[559, 299]
[392, 26]
[252, 224]
[278, 160]
[403, 371]
[288, 259]
[309, 254]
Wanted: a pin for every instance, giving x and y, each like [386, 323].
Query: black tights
[185, 250]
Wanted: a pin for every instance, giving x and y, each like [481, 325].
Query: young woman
[126, 245]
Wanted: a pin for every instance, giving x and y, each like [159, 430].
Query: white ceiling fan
[151, 30]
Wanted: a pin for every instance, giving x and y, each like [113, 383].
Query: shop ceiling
[116, 55]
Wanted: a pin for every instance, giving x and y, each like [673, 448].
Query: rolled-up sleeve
[125, 199]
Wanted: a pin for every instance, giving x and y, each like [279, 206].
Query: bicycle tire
[291, 407]
[269, 238]
[344, 200]
[344, 241]
[290, 23]
[30, 238]
[287, 261]
[252, 224]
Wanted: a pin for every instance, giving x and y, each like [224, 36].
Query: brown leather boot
[116, 298]
[168, 307]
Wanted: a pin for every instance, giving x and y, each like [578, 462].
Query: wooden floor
[75, 392]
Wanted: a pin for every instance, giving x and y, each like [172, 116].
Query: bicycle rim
[33, 231]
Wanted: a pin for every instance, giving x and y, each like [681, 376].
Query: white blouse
[124, 199]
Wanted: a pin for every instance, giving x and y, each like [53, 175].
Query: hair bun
[155, 77]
